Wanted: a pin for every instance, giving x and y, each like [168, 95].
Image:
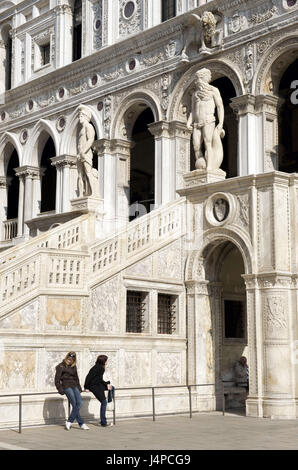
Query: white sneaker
[85, 427]
[68, 425]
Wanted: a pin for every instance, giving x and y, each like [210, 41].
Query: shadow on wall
[55, 410]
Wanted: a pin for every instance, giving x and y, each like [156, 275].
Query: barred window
[167, 314]
[168, 9]
[135, 311]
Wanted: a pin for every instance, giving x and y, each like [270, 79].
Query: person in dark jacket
[67, 382]
[95, 383]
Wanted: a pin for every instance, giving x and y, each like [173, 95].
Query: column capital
[28, 171]
[180, 129]
[113, 146]
[243, 104]
[160, 129]
[64, 160]
[194, 287]
[268, 103]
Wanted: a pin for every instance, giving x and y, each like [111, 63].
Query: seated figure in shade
[242, 373]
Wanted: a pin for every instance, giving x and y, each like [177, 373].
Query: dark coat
[95, 383]
[65, 377]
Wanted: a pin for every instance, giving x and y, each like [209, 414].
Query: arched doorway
[48, 178]
[142, 166]
[288, 121]
[217, 330]
[12, 186]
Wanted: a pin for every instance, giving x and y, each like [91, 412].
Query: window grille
[166, 314]
[135, 311]
[168, 9]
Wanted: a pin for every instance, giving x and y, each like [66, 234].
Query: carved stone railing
[55, 261]
[45, 270]
[10, 229]
[141, 237]
[69, 235]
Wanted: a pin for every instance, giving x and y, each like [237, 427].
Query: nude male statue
[205, 99]
[84, 158]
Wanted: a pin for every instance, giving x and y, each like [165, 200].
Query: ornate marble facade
[65, 272]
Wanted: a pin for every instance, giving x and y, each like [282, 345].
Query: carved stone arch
[40, 130]
[7, 4]
[273, 64]
[218, 68]
[214, 239]
[69, 136]
[128, 111]
[8, 139]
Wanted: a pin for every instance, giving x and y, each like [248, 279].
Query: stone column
[250, 135]
[2, 70]
[121, 150]
[63, 47]
[200, 334]
[267, 112]
[27, 175]
[180, 150]
[108, 167]
[65, 190]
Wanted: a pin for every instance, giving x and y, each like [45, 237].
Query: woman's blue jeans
[75, 399]
[103, 407]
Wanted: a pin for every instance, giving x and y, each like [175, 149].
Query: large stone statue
[86, 175]
[206, 134]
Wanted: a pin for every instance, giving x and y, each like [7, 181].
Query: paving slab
[210, 431]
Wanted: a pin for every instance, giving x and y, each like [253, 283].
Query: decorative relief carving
[168, 368]
[104, 301]
[107, 115]
[236, 23]
[243, 218]
[111, 371]
[169, 261]
[260, 17]
[23, 319]
[137, 368]
[276, 320]
[53, 358]
[143, 268]
[97, 25]
[17, 370]
[63, 314]
[133, 23]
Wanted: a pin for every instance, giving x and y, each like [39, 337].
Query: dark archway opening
[142, 166]
[77, 31]
[48, 179]
[288, 121]
[13, 187]
[230, 141]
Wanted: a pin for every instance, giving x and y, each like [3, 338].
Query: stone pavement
[210, 431]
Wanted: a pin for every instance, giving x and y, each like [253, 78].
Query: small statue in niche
[87, 175]
[205, 100]
[202, 33]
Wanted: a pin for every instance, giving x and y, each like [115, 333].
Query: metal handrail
[21, 395]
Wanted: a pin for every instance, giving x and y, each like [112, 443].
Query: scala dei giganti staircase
[46, 309]
[69, 260]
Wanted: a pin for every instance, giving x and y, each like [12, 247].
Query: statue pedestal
[87, 204]
[199, 177]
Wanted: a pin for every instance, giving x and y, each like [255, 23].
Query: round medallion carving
[3, 116]
[291, 3]
[94, 80]
[30, 105]
[100, 106]
[23, 136]
[61, 93]
[220, 209]
[61, 123]
[129, 9]
[132, 64]
[97, 24]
